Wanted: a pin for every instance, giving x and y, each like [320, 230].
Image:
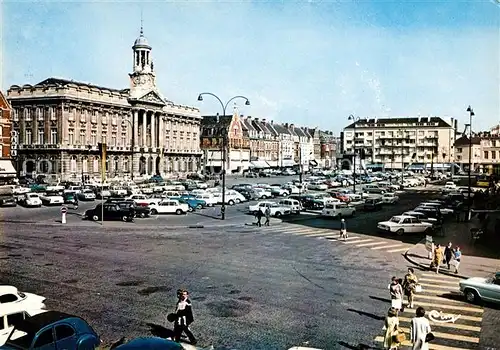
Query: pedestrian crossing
[354, 240]
[455, 324]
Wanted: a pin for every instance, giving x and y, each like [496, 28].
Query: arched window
[96, 164]
[126, 165]
[85, 163]
[117, 164]
[72, 164]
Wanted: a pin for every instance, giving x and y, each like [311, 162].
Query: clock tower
[142, 79]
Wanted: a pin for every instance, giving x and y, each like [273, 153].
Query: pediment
[153, 97]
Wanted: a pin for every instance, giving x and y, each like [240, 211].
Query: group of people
[182, 317]
[259, 214]
[420, 330]
[448, 256]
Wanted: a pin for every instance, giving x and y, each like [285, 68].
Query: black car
[141, 210]
[372, 204]
[8, 201]
[312, 204]
[110, 211]
[431, 213]
[248, 194]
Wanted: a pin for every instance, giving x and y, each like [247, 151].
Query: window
[7, 298]
[124, 139]
[85, 164]
[459, 150]
[82, 137]
[485, 154]
[53, 136]
[93, 137]
[29, 137]
[406, 221]
[493, 155]
[27, 114]
[14, 318]
[96, 164]
[71, 136]
[45, 338]
[113, 139]
[39, 113]
[73, 164]
[64, 331]
[41, 135]
[52, 113]
[126, 165]
[15, 115]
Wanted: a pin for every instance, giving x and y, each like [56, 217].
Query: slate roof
[388, 121]
[280, 129]
[272, 130]
[248, 124]
[260, 126]
[210, 122]
[299, 132]
[464, 141]
[64, 82]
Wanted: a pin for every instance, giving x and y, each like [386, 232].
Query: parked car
[338, 210]
[372, 204]
[51, 198]
[149, 343]
[250, 174]
[249, 194]
[278, 191]
[276, 210]
[292, 204]
[169, 206]
[208, 198]
[12, 314]
[389, 198]
[52, 330]
[69, 198]
[192, 203]
[373, 188]
[476, 289]
[262, 193]
[402, 224]
[422, 217]
[141, 210]
[10, 295]
[31, 200]
[439, 206]
[110, 211]
[86, 195]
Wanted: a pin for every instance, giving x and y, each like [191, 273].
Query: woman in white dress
[419, 329]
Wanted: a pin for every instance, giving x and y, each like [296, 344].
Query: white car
[276, 209]
[208, 198]
[279, 191]
[86, 195]
[9, 315]
[169, 206]
[103, 193]
[338, 209]
[201, 185]
[21, 190]
[143, 199]
[32, 200]
[389, 198]
[262, 193]
[55, 188]
[318, 186]
[432, 205]
[233, 197]
[51, 198]
[118, 191]
[74, 189]
[147, 189]
[292, 189]
[9, 296]
[292, 204]
[402, 224]
[421, 216]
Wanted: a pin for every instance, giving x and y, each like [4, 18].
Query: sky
[312, 63]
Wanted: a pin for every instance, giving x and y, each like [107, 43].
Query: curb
[427, 268]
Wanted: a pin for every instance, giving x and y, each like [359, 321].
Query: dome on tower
[141, 41]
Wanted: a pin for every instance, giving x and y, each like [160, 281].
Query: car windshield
[395, 219]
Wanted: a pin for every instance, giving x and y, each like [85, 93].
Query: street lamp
[133, 145]
[471, 113]
[354, 119]
[223, 146]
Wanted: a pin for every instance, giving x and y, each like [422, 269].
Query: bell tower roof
[141, 42]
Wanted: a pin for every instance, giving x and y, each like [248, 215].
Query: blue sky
[306, 62]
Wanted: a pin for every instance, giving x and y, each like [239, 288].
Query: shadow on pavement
[385, 300]
[367, 314]
[160, 331]
[355, 347]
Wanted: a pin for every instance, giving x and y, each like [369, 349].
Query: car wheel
[199, 206]
[471, 296]
[238, 201]
[125, 218]
[400, 232]
[178, 211]
[264, 197]
[428, 230]
[154, 211]
[278, 214]
[95, 217]
[231, 202]
[142, 215]
[190, 209]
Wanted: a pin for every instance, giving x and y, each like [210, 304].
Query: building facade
[215, 130]
[396, 143]
[60, 123]
[484, 155]
[7, 170]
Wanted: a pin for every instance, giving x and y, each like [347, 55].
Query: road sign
[64, 210]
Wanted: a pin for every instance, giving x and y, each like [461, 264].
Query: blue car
[194, 203]
[150, 343]
[52, 330]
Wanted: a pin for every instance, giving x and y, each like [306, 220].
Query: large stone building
[393, 143]
[59, 124]
[485, 153]
[7, 170]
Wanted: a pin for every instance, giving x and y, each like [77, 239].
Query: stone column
[153, 130]
[161, 136]
[144, 127]
[135, 123]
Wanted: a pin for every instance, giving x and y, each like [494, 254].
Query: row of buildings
[54, 128]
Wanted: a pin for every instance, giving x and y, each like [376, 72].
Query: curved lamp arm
[235, 97]
[213, 95]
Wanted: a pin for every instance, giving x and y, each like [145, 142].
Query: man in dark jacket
[448, 254]
[184, 317]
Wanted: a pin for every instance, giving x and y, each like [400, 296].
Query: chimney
[242, 116]
[271, 122]
[263, 120]
[256, 119]
[286, 125]
[249, 118]
[292, 125]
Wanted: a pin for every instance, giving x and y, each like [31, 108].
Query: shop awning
[374, 165]
[7, 169]
[287, 162]
[272, 163]
[259, 164]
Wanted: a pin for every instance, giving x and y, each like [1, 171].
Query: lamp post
[354, 119]
[133, 145]
[223, 146]
[471, 113]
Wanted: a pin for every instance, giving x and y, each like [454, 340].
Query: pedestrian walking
[438, 257]
[391, 327]
[267, 213]
[343, 229]
[457, 254]
[419, 330]
[258, 215]
[410, 285]
[396, 291]
[75, 203]
[183, 317]
[448, 254]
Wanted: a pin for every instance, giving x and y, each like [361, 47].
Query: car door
[44, 339]
[407, 225]
[66, 337]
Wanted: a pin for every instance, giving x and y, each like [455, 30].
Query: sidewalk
[477, 260]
